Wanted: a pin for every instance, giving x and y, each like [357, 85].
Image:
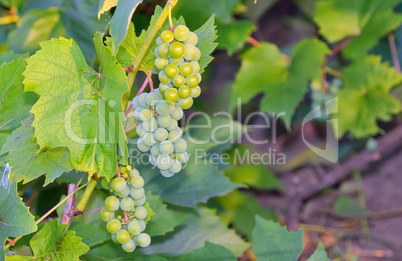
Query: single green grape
[164, 162]
[145, 114]
[152, 159]
[160, 63]
[199, 76]
[141, 212]
[180, 146]
[127, 204]
[163, 50]
[137, 193]
[197, 55]
[124, 193]
[181, 33]
[186, 69]
[167, 36]
[114, 238]
[137, 182]
[184, 92]
[135, 103]
[173, 125]
[122, 236]
[143, 240]
[176, 166]
[163, 88]
[176, 62]
[141, 146]
[171, 70]
[182, 157]
[142, 99]
[134, 228]
[164, 121]
[162, 108]
[143, 225]
[192, 81]
[140, 130]
[159, 41]
[155, 150]
[105, 184]
[195, 92]
[175, 135]
[178, 81]
[189, 52]
[112, 203]
[161, 134]
[151, 125]
[171, 95]
[129, 246]
[167, 173]
[113, 226]
[186, 103]
[123, 169]
[152, 99]
[177, 113]
[192, 38]
[163, 78]
[166, 147]
[149, 139]
[134, 173]
[106, 215]
[141, 201]
[196, 67]
[176, 50]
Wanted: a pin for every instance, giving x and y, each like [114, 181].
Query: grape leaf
[10, 56]
[366, 21]
[15, 218]
[266, 70]
[202, 225]
[105, 5]
[29, 162]
[91, 234]
[78, 108]
[165, 219]
[233, 36]
[55, 242]
[209, 252]
[207, 35]
[319, 254]
[274, 243]
[365, 97]
[120, 21]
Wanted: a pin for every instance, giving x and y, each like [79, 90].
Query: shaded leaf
[319, 254]
[209, 252]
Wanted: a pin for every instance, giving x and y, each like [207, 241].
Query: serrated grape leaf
[202, 225]
[233, 36]
[209, 252]
[319, 254]
[265, 70]
[365, 97]
[165, 219]
[150, 212]
[121, 20]
[366, 21]
[105, 5]
[15, 218]
[91, 234]
[79, 108]
[207, 34]
[272, 242]
[29, 162]
[55, 242]
[10, 56]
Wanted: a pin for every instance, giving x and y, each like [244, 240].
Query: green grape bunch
[128, 199]
[177, 59]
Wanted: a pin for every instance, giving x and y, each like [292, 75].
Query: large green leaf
[202, 225]
[105, 5]
[15, 219]
[207, 35]
[366, 21]
[29, 162]
[319, 254]
[91, 234]
[209, 252]
[265, 70]
[365, 97]
[233, 36]
[79, 108]
[272, 242]
[121, 20]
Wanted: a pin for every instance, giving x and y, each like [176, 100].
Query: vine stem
[394, 53]
[339, 47]
[87, 194]
[135, 66]
[93, 210]
[253, 41]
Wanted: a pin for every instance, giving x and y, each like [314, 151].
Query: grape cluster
[159, 132]
[128, 200]
[177, 59]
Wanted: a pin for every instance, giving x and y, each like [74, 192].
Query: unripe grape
[166, 147]
[176, 166]
[171, 95]
[171, 70]
[178, 81]
[177, 113]
[150, 125]
[175, 135]
[192, 81]
[164, 121]
[155, 150]
[129, 246]
[119, 184]
[122, 236]
[137, 182]
[143, 240]
[152, 99]
[164, 162]
[145, 114]
[143, 225]
[149, 139]
[160, 63]
[176, 50]
[186, 103]
[176, 62]
[134, 173]
[173, 125]
[181, 33]
[113, 226]
[112, 203]
[196, 67]
[140, 130]
[189, 52]
[134, 228]
[163, 78]
[184, 92]
[197, 55]
[192, 38]
[141, 146]
[141, 212]
[180, 146]
[141, 201]
[164, 87]
[124, 193]
[186, 69]
[161, 134]
[159, 41]
[195, 92]
[106, 215]
[105, 184]
[123, 169]
[182, 157]
[163, 50]
[152, 159]
[114, 239]
[137, 193]
[162, 108]
[167, 36]
[135, 103]
[199, 76]
[127, 204]
[167, 173]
